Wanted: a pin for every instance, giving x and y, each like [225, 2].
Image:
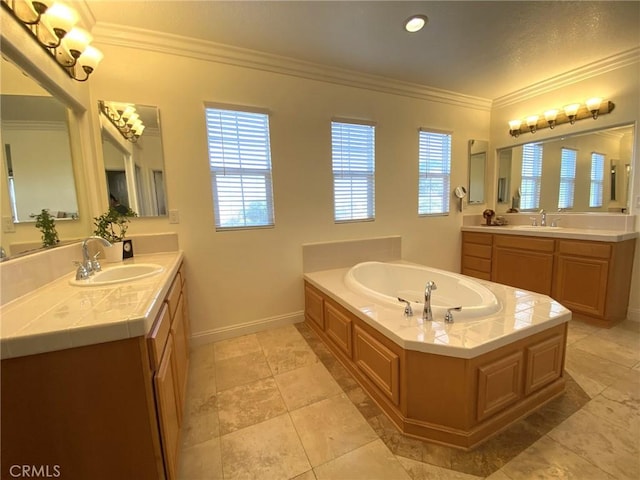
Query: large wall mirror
[477, 170]
[134, 165]
[587, 172]
[37, 170]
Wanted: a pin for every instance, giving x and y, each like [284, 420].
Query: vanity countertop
[58, 315]
[559, 232]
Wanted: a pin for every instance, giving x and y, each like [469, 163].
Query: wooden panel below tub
[448, 400]
[377, 362]
[313, 306]
[338, 327]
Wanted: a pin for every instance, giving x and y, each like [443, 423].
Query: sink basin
[535, 227]
[119, 274]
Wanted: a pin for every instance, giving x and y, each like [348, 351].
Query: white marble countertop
[522, 314]
[558, 232]
[58, 315]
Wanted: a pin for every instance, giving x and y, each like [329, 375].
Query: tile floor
[277, 405]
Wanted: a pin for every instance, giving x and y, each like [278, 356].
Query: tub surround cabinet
[103, 411]
[591, 278]
[449, 400]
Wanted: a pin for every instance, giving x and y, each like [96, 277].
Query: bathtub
[385, 282]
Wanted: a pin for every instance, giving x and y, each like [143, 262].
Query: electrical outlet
[174, 216]
[7, 225]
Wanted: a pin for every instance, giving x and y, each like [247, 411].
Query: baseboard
[217, 334]
[633, 314]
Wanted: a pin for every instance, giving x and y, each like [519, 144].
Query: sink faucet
[426, 313]
[89, 265]
[543, 218]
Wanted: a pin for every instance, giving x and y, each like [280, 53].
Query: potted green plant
[112, 226]
[47, 225]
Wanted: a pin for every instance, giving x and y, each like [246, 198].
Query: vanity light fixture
[550, 116]
[571, 113]
[532, 123]
[124, 117]
[593, 105]
[514, 128]
[53, 25]
[415, 23]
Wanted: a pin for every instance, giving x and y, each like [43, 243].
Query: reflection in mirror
[573, 173]
[135, 170]
[37, 165]
[477, 168]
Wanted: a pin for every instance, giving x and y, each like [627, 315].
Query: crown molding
[607, 64]
[141, 39]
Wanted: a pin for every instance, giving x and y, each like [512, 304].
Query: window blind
[568, 159]
[434, 173]
[596, 193]
[353, 164]
[531, 175]
[240, 166]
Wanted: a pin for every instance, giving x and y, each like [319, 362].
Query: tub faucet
[90, 265]
[543, 218]
[426, 313]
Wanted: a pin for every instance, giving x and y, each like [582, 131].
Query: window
[531, 175]
[597, 180]
[567, 177]
[240, 165]
[434, 171]
[353, 151]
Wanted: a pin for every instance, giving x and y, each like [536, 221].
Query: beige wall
[249, 276]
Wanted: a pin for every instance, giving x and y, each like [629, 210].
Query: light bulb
[415, 23]
[76, 41]
[90, 59]
[60, 18]
[571, 111]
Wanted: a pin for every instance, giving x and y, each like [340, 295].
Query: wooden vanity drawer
[475, 250]
[173, 297]
[584, 249]
[481, 238]
[524, 243]
[157, 339]
[478, 264]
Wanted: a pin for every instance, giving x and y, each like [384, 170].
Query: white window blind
[531, 176]
[434, 172]
[568, 159]
[240, 165]
[353, 160]
[597, 180]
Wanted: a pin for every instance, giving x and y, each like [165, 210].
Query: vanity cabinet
[102, 411]
[594, 278]
[477, 255]
[523, 262]
[590, 278]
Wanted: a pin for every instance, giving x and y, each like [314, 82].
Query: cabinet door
[523, 269]
[181, 357]
[313, 306]
[581, 284]
[164, 384]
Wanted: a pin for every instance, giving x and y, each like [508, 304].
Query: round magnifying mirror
[460, 192]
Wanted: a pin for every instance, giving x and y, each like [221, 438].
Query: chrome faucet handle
[448, 317]
[534, 221]
[408, 311]
[95, 263]
[81, 273]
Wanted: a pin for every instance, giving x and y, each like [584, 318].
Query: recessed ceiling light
[415, 23]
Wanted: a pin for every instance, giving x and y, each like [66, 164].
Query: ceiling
[483, 49]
